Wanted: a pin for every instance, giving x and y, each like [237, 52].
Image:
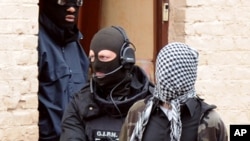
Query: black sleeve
[73, 128]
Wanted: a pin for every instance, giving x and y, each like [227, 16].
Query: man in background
[63, 64]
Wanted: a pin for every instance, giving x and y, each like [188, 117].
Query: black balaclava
[57, 13]
[111, 39]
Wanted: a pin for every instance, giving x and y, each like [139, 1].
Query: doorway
[89, 21]
[148, 36]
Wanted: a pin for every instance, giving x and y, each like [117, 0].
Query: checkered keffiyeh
[176, 72]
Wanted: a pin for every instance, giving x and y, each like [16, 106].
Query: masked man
[97, 112]
[174, 112]
[63, 64]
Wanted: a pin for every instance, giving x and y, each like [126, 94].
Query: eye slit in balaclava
[102, 58]
[65, 2]
[111, 39]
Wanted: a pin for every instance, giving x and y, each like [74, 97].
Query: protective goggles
[64, 2]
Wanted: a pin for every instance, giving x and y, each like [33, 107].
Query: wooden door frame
[89, 21]
[161, 27]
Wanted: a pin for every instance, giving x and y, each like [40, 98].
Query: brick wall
[18, 70]
[220, 31]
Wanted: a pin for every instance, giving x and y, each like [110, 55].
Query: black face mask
[108, 39]
[114, 72]
[57, 13]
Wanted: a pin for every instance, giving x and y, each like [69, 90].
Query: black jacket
[207, 127]
[90, 117]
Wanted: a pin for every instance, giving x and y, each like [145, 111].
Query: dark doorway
[161, 24]
[89, 21]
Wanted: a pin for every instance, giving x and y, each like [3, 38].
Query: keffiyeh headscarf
[176, 72]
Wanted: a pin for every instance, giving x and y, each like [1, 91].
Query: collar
[187, 109]
[191, 104]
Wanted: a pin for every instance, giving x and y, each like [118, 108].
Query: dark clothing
[92, 117]
[63, 71]
[200, 122]
[190, 115]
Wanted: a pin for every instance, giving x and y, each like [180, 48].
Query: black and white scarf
[176, 73]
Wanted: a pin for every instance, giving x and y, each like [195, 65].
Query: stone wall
[220, 31]
[18, 70]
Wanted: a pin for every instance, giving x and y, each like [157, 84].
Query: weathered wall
[220, 31]
[18, 70]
